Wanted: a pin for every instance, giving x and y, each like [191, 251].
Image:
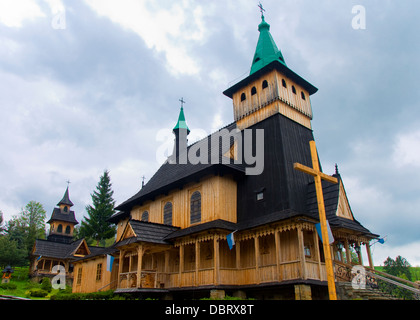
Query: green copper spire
[181, 124]
[266, 51]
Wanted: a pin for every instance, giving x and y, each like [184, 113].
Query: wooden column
[216, 260]
[302, 252]
[238, 254]
[278, 257]
[257, 258]
[120, 267]
[317, 254]
[369, 254]
[197, 261]
[348, 254]
[139, 264]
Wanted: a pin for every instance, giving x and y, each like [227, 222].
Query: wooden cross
[261, 9]
[318, 177]
[182, 102]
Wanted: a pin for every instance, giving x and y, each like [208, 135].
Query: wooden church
[172, 236]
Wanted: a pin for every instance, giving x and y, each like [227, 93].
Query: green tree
[399, 267]
[10, 253]
[96, 226]
[28, 226]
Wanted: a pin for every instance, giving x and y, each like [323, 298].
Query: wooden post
[257, 259]
[318, 177]
[359, 254]
[278, 258]
[238, 254]
[139, 264]
[216, 259]
[120, 267]
[197, 261]
[348, 254]
[301, 247]
[317, 254]
[369, 254]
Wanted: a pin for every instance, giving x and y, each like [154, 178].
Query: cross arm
[314, 173]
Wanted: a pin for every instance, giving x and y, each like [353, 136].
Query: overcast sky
[89, 85]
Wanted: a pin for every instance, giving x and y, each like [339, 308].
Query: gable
[81, 250]
[343, 206]
[128, 232]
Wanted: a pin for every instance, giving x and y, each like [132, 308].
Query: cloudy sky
[89, 85]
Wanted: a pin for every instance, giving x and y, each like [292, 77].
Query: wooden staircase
[372, 284]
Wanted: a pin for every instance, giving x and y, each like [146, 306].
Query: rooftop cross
[182, 102]
[68, 183]
[261, 9]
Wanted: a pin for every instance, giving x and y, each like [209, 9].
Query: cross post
[318, 177]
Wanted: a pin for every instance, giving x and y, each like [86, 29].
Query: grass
[20, 278]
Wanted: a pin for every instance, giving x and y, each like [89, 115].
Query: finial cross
[68, 182]
[182, 102]
[261, 9]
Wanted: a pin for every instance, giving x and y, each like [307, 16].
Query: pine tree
[96, 225]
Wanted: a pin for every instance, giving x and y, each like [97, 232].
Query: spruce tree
[96, 226]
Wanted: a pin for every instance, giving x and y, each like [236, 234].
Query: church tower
[181, 131]
[271, 87]
[62, 221]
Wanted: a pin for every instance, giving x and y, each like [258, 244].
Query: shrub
[46, 284]
[38, 293]
[8, 286]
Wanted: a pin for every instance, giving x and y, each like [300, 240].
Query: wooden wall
[270, 100]
[218, 201]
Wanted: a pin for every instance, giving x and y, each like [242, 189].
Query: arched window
[243, 97]
[195, 211]
[68, 230]
[265, 84]
[145, 216]
[65, 209]
[294, 89]
[253, 91]
[303, 95]
[60, 228]
[283, 82]
[167, 213]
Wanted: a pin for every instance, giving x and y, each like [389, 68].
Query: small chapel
[208, 225]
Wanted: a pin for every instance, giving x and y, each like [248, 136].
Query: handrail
[382, 276]
[107, 285]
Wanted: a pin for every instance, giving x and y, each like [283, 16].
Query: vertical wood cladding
[285, 142]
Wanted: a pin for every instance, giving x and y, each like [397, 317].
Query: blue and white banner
[109, 262]
[230, 240]
[330, 235]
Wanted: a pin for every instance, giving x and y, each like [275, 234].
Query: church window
[253, 91]
[68, 230]
[98, 271]
[264, 84]
[294, 89]
[145, 216]
[65, 209]
[195, 209]
[167, 213]
[79, 275]
[303, 95]
[283, 82]
[260, 196]
[243, 97]
[60, 228]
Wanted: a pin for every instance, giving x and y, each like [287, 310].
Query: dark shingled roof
[331, 192]
[148, 232]
[55, 249]
[66, 199]
[171, 176]
[57, 215]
